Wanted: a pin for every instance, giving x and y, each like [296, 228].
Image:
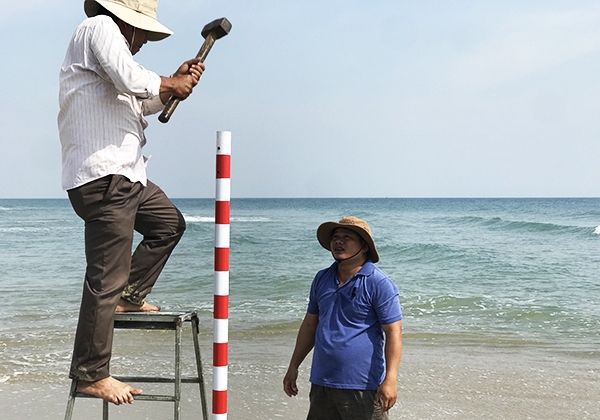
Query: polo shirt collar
[367, 269]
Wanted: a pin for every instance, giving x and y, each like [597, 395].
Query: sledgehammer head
[219, 28]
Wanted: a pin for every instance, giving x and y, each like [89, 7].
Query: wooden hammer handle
[173, 100]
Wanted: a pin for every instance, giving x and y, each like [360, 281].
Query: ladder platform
[153, 320]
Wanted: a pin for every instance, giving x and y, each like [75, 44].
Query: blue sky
[339, 98]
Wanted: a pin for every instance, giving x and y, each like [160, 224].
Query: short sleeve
[387, 301]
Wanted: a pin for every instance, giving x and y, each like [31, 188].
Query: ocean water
[504, 276]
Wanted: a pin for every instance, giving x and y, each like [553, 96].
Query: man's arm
[112, 53]
[387, 391]
[304, 344]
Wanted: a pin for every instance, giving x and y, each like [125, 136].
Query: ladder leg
[104, 410]
[195, 334]
[71, 401]
[177, 370]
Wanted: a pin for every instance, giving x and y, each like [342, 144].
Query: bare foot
[125, 306]
[109, 389]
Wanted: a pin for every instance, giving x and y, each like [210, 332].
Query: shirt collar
[366, 270]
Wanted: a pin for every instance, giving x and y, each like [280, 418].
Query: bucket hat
[325, 233]
[138, 13]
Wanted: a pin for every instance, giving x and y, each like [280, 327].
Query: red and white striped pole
[221, 302]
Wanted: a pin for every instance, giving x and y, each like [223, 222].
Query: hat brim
[156, 30]
[325, 233]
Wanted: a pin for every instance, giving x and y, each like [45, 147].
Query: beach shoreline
[435, 382]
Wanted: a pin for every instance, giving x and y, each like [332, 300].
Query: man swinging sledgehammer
[104, 96]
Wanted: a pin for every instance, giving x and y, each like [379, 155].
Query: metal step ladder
[156, 321]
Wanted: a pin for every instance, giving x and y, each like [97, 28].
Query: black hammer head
[219, 28]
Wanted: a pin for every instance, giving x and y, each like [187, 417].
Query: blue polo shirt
[348, 352]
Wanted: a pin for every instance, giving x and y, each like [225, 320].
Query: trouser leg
[322, 406]
[162, 226]
[359, 405]
[108, 206]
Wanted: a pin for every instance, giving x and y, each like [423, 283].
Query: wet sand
[435, 382]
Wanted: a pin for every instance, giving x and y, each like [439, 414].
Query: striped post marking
[221, 302]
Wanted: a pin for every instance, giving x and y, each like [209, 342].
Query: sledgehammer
[211, 32]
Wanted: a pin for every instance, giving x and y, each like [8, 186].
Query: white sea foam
[198, 219]
[24, 229]
[251, 219]
[597, 230]
[210, 219]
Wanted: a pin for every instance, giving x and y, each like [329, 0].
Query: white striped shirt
[104, 94]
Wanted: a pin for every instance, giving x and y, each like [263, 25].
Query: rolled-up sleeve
[152, 105]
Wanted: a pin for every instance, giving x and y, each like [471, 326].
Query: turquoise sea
[498, 277]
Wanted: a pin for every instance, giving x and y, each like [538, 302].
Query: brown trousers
[112, 208]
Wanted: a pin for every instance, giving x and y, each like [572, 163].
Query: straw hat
[140, 14]
[325, 233]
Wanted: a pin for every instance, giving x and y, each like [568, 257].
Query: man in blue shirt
[352, 306]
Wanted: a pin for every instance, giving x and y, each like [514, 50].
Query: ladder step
[150, 397]
[143, 397]
[157, 379]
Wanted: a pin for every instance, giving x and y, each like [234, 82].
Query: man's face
[135, 37]
[140, 37]
[345, 243]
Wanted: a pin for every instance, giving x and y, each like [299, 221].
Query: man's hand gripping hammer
[211, 32]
